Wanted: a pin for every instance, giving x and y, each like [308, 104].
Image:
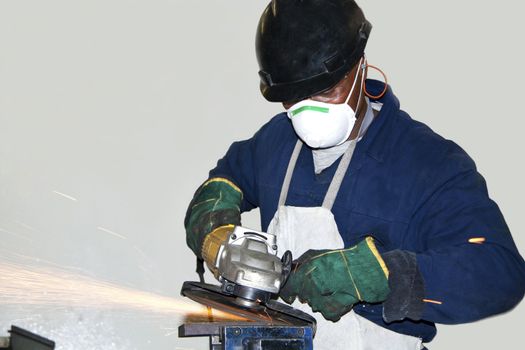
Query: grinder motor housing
[248, 265]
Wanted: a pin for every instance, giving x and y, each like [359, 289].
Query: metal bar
[248, 336]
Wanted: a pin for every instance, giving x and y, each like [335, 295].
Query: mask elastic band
[386, 83]
[363, 65]
[355, 81]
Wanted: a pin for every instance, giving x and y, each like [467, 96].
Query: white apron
[299, 229]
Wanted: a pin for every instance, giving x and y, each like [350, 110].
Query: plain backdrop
[112, 113]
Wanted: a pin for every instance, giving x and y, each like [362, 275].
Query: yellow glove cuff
[212, 243]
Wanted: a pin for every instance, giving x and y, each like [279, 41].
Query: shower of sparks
[103, 229]
[71, 198]
[37, 286]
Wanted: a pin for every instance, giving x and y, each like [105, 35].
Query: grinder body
[248, 265]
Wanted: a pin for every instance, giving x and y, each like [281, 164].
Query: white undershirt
[325, 157]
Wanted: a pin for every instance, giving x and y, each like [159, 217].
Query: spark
[42, 286]
[145, 259]
[25, 319]
[170, 332]
[7, 253]
[26, 226]
[141, 252]
[71, 198]
[111, 232]
[477, 240]
[14, 234]
[437, 302]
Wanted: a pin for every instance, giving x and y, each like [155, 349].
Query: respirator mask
[324, 125]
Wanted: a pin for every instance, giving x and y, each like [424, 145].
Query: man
[391, 224]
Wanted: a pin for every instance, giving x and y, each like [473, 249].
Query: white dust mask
[321, 124]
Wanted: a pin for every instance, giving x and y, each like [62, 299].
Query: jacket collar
[377, 139]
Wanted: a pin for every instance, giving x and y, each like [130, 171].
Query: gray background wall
[125, 105]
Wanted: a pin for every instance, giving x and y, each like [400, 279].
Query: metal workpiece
[249, 259]
[21, 339]
[268, 337]
[252, 336]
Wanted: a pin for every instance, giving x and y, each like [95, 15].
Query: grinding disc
[270, 313]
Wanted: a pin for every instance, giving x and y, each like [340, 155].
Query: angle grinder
[248, 266]
[250, 275]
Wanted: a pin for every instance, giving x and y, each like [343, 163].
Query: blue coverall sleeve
[238, 166]
[470, 264]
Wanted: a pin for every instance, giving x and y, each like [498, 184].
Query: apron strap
[339, 175]
[335, 185]
[289, 172]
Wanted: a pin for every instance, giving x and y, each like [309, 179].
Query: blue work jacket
[410, 189]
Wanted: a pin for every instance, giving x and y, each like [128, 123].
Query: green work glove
[332, 281]
[211, 216]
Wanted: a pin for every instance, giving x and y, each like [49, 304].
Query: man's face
[339, 92]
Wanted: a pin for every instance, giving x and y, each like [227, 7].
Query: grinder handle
[286, 261]
[200, 269]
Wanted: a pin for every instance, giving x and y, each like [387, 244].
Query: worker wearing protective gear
[392, 226]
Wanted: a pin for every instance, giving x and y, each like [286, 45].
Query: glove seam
[226, 181]
[373, 248]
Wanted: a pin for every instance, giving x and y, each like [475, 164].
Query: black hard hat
[305, 47]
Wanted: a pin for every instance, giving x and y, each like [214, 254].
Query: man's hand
[211, 216]
[332, 281]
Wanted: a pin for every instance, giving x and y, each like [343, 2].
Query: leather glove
[332, 281]
[211, 216]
